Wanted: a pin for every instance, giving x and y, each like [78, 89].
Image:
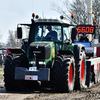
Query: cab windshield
[48, 33]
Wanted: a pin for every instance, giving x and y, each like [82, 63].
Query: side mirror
[19, 32]
[73, 34]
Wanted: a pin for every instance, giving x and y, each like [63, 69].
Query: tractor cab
[52, 30]
[55, 31]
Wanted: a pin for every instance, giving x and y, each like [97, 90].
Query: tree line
[12, 40]
[79, 9]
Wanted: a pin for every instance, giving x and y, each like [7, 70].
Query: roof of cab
[51, 21]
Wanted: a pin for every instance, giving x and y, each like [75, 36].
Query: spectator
[84, 38]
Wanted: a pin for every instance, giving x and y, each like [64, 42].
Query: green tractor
[47, 59]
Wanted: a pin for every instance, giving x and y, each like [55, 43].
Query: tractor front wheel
[64, 74]
[13, 61]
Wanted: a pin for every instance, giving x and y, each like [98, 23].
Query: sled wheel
[80, 78]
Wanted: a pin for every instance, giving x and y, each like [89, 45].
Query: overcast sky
[13, 12]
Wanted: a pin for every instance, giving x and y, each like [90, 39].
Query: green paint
[69, 47]
[51, 55]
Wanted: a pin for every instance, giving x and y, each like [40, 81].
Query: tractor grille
[42, 50]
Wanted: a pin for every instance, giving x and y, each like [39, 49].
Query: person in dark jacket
[51, 34]
[84, 38]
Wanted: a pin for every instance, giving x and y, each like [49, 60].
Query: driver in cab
[51, 34]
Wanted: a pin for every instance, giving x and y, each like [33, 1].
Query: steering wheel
[49, 38]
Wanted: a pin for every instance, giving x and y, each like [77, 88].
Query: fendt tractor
[50, 56]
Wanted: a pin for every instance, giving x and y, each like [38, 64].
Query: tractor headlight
[53, 52]
[42, 63]
[32, 62]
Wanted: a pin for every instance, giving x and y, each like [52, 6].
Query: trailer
[93, 71]
[92, 50]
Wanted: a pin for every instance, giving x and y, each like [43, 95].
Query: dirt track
[92, 93]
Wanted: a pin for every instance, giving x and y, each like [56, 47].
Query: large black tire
[11, 62]
[80, 78]
[64, 74]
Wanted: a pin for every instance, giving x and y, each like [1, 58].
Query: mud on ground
[92, 93]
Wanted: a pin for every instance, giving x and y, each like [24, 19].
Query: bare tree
[78, 8]
[2, 44]
[1, 36]
[18, 41]
[12, 40]
[96, 16]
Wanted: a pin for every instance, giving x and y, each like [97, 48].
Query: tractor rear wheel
[13, 61]
[64, 74]
[81, 72]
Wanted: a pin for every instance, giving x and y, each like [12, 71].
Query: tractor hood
[42, 50]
